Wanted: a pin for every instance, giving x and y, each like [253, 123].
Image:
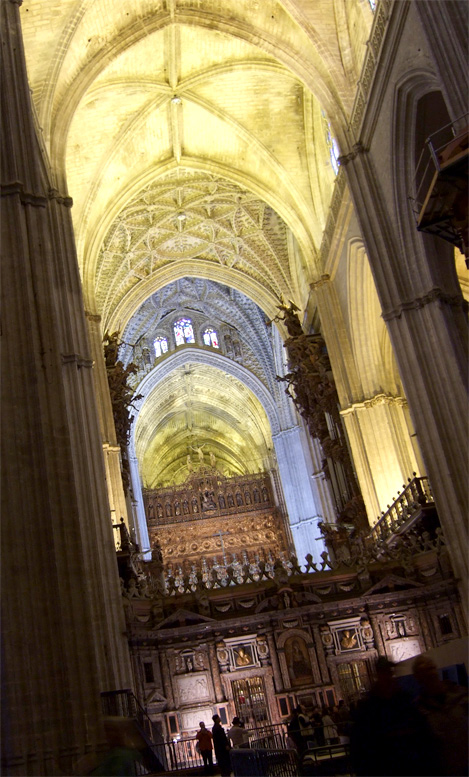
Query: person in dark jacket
[445, 707]
[221, 746]
[389, 736]
[294, 732]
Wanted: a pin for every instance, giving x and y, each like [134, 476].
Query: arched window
[210, 337]
[331, 145]
[183, 331]
[161, 346]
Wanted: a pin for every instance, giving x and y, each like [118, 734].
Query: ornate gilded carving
[207, 497]
[122, 397]
[311, 385]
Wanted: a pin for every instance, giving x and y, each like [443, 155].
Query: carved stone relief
[400, 649]
[193, 687]
[190, 719]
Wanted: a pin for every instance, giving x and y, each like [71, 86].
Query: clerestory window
[183, 331]
[160, 345]
[210, 337]
[332, 146]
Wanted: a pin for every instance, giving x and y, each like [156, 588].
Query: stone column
[376, 621]
[416, 281]
[428, 330]
[112, 453]
[378, 431]
[212, 657]
[274, 660]
[378, 428]
[303, 504]
[321, 657]
[270, 698]
[451, 16]
[62, 616]
[313, 657]
[139, 518]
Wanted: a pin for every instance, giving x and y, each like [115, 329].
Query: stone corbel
[357, 148]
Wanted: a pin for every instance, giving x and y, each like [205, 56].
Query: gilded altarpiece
[210, 516]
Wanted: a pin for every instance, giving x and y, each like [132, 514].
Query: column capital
[434, 295]
[378, 399]
[27, 198]
[75, 358]
[62, 199]
[93, 316]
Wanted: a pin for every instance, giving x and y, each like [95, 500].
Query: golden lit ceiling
[191, 137]
[198, 405]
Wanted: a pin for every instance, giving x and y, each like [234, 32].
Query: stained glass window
[183, 331]
[210, 337]
[372, 4]
[332, 146]
[160, 345]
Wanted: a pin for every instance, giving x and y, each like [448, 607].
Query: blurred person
[316, 719]
[444, 706]
[204, 740]
[306, 728]
[222, 746]
[329, 727]
[389, 736]
[293, 730]
[237, 734]
[343, 720]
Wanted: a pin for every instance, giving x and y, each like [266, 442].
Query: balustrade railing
[123, 703]
[405, 507]
[440, 148]
[273, 736]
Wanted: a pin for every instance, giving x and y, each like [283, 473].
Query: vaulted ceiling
[192, 138]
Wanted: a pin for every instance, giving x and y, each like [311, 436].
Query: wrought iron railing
[264, 762]
[405, 507]
[327, 760]
[273, 736]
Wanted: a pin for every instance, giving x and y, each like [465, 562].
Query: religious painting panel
[298, 662]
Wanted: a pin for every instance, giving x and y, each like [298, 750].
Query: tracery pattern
[223, 225]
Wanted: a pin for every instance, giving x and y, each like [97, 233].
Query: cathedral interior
[234, 363]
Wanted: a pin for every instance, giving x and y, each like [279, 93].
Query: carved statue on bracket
[312, 388]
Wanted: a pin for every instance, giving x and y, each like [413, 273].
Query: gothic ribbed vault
[193, 140]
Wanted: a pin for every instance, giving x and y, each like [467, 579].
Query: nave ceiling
[201, 396]
[192, 139]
